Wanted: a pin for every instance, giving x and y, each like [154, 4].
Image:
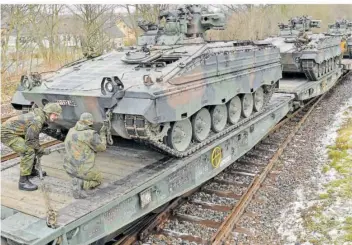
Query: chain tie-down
[108, 121]
[51, 219]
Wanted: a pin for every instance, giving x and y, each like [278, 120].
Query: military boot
[35, 173]
[25, 185]
[77, 189]
[93, 190]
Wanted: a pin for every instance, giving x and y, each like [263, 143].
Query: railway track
[3, 119]
[209, 213]
[14, 155]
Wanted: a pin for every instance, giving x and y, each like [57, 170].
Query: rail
[13, 155]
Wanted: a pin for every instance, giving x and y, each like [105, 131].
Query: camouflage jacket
[81, 144]
[26, 125]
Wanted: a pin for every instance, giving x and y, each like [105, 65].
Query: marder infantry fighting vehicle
[175, 91]
[315, 55]
[343, 29]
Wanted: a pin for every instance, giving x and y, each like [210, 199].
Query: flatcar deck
[347, 64]
[115, 164]
[140, 181]
[304, 89]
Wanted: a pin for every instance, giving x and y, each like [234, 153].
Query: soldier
[81, 144]
[303, 37]
[21, 134]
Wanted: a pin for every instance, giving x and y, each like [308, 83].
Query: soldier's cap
[52, 108]
[86, 118]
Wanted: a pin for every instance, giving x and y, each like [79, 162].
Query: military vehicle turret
[315, 55]
[342, 28]
[175, 90]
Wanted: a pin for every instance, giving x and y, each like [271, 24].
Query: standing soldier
[21, 134]
[81, 144]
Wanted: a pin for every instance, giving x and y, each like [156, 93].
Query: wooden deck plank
[32, 200]
[35, 210]
[114, 167]
[108, 165]
[109, 156]
[27, 208]
[11, 189]
[113, 172]
[61, 174]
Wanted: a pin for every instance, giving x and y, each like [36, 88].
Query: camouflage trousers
[91, 179]
[18, 145]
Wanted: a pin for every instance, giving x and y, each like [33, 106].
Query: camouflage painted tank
[175, 91]
[315, 55]
[342, 29]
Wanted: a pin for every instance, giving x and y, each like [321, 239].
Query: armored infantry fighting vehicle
[343, 29]
[175, 90]
[315, 55]
[349, 45]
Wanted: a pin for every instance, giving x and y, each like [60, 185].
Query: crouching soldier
[81, 144]
[21, 134]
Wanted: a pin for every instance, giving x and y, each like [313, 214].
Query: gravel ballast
[296, 188]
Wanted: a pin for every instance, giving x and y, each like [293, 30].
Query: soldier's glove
[43, 151]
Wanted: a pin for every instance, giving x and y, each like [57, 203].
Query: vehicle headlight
[109, 87]
[26, 83]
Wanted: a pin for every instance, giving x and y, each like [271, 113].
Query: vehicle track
[209, 213]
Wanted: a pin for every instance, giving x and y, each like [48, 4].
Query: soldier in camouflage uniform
[81, 144]
[21, 134]
[303, 37]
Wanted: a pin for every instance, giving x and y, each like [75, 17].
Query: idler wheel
[258, 98]
[247, 105]
[218, 115]
[180, 135]
[201, 123]
[234, 110]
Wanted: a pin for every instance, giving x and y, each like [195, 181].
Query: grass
[317, 219]
[348, 229]
[324, 195]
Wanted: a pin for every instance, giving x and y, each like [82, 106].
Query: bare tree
[16, 19]
[50, 23]
[95, 18]
[149, 12]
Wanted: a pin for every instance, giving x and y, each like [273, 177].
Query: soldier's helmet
[87, 118]
[52, 108]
